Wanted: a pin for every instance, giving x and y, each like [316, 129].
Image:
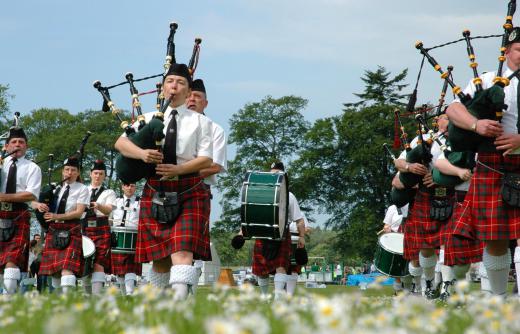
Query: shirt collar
[180, 109]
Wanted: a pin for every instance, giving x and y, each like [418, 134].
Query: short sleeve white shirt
[132, 211]
[108, 196]
[28, 176]
[78, 194]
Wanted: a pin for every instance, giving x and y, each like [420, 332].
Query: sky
[53, 50]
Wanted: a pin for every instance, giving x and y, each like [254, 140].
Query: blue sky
[53, 50]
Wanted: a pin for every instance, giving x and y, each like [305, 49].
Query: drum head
[392, 242]
[283, 203]
[89, 248]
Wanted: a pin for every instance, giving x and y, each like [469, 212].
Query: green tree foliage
[264, 131]
[4, 107]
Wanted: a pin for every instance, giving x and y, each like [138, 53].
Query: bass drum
[388, 258]
[264, 205]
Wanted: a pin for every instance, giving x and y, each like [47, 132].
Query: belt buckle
[92, 223]
[440, 191]
[6, 206]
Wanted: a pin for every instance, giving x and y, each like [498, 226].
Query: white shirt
[132, 211]
[393, 218]
[219, 152]
[464, 186]
[435, 149]
[28, 176]
[108, 196]
[194, 133]
[510, 115]
[78, 194]
[294, 215]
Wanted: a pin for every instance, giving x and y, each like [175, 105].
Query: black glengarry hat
[99, 165]
[198, 85]
[180, 70]
[72, 161]
[16, 133]
[514, 36]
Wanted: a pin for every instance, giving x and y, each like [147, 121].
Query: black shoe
[430, 292]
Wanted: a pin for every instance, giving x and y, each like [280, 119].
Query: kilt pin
[190, 232]
[16, 250]
[54, 260]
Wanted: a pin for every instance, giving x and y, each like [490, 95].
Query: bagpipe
[486, 103]
[148, 135]
[50, 190]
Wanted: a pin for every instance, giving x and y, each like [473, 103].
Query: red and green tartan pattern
[460, 250]
[71, 258]
[263, 267]
[409, 253]
[124, 264]
[102, 239]
[16, 250]
[424, 231]
[491, 217]
[190, 232]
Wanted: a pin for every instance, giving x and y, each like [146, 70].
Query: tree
[344, 161]
[263, 132]
[4, 107]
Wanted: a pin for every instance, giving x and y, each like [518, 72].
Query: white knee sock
[517, 267]
[68, 283]
[11, 278]
[484, 280]
[291, 281]
[130, 283]
[56, 282]
[416, 273]
[263, 283]
[181, 275]
[98, 280]
[497, 268]
[447, 273]
[460, 270]
[438, 273]
[428, 265]
[279, 284]
[159, 280]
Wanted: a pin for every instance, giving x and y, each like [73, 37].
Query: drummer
[173, 243]
[62, 252]
[96, 226]
[126, 214]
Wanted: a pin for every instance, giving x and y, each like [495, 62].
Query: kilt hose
[16, 250]
[190, 232]
[71, 258]
[263, 266]
[124, 264]
[460, 250]
[424, 231]
[490, 217]
[102, 239]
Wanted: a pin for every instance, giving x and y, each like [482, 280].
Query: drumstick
[378, 233]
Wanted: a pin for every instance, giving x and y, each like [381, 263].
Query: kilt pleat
[16, 250]
[55, 260]
[424, 231]
[263, 267]
[190, 232]
[492, 219]
[124, 264]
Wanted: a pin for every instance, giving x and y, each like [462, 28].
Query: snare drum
[388, 258]
[264, 207]
[89, 253]
[125, 239]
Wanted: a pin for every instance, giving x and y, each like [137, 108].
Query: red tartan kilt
[409, 253]
[102, 239]
[424, 231]
[263, 267]
[71, 258]
[492, 218]
[460, 250]
[16, 250]
[190, 232]
[124, 264]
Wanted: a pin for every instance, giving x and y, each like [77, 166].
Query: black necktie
[10, 186]
[63, 200]
[93, 194]
[170, 141]
[126, 208]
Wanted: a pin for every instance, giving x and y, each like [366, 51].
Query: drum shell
[390, 262]
[126, 240]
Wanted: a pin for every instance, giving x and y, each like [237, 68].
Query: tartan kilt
[459, 250]
[491, 218]
[190, 232]
[102, 240]
[424, 231]
[124, 264]
[16, 250]
[263, 267]
[409, 252]
[71, 258]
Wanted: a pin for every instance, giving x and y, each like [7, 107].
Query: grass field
[335, 309]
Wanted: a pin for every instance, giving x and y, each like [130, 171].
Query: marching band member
[126, 213]
[174, 218]
[62, 253]
[495, 222]
[96, 226]
[198, 101]
[20, 183]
